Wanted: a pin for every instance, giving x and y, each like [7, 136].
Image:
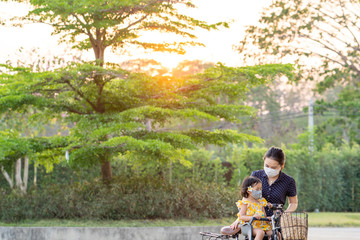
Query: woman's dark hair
[248, 181]
[276, 154]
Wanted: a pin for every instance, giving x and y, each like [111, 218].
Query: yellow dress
[252, 209]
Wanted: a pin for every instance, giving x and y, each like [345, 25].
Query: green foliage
[345, 124]
[205, 167]
[238, 168]
[118, 24]
[38, 149]
[327, 180]
[113, 111]
[125, 198]
[12, 148]
[315, 174]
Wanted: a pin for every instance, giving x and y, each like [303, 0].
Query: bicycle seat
[227, 230]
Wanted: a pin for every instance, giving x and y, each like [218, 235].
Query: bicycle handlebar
[275, 206]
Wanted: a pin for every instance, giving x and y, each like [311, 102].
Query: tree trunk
[18, 180]
[26, 173]
[7, 177]
[99, 54]
[35, 175]
[106, 172]
[21, 182]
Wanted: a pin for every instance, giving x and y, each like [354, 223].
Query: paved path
[148, 233]
[334, 234]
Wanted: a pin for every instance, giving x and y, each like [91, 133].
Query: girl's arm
[293, 203]
[263, 209]
[242, 213]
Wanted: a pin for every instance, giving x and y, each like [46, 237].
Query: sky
[219, 44]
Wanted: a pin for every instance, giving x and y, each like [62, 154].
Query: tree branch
[118, 34]
[327, 47]
[7, 177]
[80, 94]
[346, 24]
[72, 110]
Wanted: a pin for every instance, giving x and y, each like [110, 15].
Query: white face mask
[271, 172]
[257, 194]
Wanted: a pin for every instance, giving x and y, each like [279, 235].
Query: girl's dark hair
[248, 181]
[276, 154]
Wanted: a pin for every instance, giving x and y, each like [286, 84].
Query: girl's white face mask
[271, 172]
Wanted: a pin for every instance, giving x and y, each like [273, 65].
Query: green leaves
[118, 24]
[220, 137]
[110, 111]
[14, 147]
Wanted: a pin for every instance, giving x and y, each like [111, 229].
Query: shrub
[124, 198]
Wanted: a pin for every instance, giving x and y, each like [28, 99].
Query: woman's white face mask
[271, 172]
[272, 168]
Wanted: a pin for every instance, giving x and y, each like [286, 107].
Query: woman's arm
[235, 224]
[293, 203]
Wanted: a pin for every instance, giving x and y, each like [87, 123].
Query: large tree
[98, 24]
[323, 37]
[121, 112]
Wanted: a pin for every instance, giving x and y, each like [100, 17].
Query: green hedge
[125, 198]
[328, 180]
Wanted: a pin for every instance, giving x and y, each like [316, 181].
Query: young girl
[252, 205]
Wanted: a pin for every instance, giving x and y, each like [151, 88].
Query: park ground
[322, 219]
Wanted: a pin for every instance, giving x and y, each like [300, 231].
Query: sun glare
[169, 61]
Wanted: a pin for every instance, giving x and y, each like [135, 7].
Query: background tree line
[327, 180]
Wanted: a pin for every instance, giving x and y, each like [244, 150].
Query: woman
[276, 185]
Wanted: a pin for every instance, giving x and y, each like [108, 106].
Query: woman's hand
[257, 216]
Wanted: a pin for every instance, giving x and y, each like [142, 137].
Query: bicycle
[284, 227]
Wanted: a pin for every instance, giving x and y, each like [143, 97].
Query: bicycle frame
[246, 229]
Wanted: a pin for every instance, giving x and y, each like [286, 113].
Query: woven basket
[294, 226]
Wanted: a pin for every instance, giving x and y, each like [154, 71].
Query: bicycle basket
[294, 226]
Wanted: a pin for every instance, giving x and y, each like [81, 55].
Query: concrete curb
[147, 233]
[85, 233]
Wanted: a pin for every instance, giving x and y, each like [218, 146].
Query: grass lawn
[332, 219]
[315, 220]
[121, 223]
